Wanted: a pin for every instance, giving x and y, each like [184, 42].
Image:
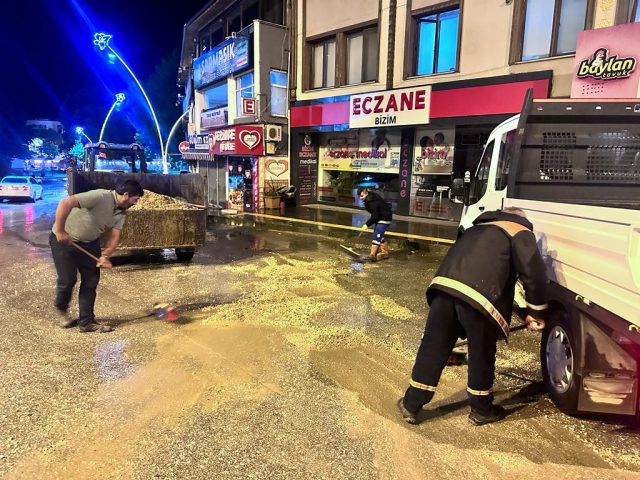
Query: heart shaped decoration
[276, 167]
[249, 139]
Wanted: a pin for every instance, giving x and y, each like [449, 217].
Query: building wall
[271, 53]
[352, 12]
[484, 47]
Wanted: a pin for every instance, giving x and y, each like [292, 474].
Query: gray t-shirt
[97, 214]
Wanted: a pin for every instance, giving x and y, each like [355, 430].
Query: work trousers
[68, 261]
[379, 230]
[449, 319]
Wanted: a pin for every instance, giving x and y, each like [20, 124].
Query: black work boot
[64, 320]
[407, 416]
[95, 327]
[495, 413]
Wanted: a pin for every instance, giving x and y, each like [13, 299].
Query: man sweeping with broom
[75, 245]
[380, 220]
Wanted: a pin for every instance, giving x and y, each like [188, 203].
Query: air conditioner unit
[273, 133]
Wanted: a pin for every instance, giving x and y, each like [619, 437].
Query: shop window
[362, 56]
[215, 96]
[481, 181]
[324, 64]
[549, 28]
[279, 87]
[504, 160]
[437, 42]
[244, 88]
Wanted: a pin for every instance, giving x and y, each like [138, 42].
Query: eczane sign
[408, 106]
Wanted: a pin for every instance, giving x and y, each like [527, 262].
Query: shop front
[239, 173]
[413, 146]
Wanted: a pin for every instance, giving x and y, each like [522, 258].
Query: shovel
[160, 310]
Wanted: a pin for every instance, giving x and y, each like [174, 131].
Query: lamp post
[101, 40]
[165, 156]
[80, 131]
[120, 97]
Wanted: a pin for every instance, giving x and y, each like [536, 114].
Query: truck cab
[488, 188]
[573, 166]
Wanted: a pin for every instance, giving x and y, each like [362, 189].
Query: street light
[101, 40]
[120, 97]
[80, 131]
[165, 155]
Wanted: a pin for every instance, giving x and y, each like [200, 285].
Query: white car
[20, 187]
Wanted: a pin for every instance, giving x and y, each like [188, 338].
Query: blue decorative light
[120, 97]
[80, 131]
[101, 40]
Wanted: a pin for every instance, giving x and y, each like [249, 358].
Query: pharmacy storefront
[413, 146]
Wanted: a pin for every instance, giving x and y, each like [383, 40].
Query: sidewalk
[337, 221]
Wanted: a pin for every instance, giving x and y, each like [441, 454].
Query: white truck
[574, 167]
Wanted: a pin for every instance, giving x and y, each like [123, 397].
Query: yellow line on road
[347, 227]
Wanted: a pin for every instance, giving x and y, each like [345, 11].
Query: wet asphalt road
[286, 363]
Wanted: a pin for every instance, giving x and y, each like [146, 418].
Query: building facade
[401, 96]
[234, 69]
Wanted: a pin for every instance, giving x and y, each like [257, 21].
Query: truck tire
[184, 254]
[559, 360]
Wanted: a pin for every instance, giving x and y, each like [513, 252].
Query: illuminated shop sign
[228, 57]
[408, 106]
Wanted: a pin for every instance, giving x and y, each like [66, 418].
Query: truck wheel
[559, 359]
[184, 254]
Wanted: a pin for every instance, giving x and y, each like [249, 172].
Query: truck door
[489, 185]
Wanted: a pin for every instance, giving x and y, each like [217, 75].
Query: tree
[77, 151]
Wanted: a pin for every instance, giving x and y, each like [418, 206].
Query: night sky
[48, 51]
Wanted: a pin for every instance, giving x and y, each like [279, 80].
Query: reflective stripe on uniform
[476, 297]
[481, 393]
[537, 307]
[386, 222]
[422, 386]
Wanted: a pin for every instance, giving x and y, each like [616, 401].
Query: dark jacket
[483, 265]
[379, 209]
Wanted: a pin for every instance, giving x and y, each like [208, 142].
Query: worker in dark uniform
[380, 220]
[471, 297]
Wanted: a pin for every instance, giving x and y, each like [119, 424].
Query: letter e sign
[248, 106]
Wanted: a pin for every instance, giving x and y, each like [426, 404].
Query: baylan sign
[604, 67]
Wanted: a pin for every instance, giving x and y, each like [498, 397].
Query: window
[362, 56]
[244, 88]
[215, 96]
[234, 21]
[481, 180]
[548, 28]
[324, 64]
[273, 11]
[278, 93]
[437, 42]
[506, 152]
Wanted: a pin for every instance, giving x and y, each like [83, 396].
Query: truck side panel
[592, 251]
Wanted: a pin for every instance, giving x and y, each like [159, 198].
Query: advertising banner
[228, 57]
[607, 63]
[407, 106]
[237, 140]
[214, 118]
[433, 151]
[374, 150]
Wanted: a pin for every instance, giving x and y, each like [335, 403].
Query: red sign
[237, 140]
[183, 147]
[248, 106]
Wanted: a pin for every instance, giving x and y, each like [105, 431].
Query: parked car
[20, 187]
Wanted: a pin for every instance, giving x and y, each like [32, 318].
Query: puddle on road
[111, 362]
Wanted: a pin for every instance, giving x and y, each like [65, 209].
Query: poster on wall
[433, 151]
[369, 150]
